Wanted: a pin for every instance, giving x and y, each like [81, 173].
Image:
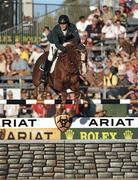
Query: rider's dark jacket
[57, 37]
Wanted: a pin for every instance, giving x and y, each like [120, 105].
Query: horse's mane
[72, 45]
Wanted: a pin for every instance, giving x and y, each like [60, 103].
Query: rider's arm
[75, 33]
[55, 36]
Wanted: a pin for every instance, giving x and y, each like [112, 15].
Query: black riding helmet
[63, 19]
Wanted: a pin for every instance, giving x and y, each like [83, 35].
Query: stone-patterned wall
[68, 159]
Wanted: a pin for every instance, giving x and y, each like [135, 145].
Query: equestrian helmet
[63, 19]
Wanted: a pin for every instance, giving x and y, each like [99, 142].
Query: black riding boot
[45, 72]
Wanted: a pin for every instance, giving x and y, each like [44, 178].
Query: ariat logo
[128, 134]
[63, 122]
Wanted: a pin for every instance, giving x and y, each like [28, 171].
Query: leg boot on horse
[45, 68]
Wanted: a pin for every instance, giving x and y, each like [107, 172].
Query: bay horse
[66, 73]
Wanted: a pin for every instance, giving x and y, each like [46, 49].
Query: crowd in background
[116, 70]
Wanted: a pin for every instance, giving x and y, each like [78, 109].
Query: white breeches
[52, 50]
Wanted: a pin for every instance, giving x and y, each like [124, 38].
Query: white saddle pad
[53, 65]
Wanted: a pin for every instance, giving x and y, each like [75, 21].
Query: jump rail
[68, 101]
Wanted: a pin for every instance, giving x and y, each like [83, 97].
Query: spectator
[8, 66]
[124, 56]
[94, 31]
[50, 109]
[109, 30]
[120, 15]
[134, 62]
[88, 109]
[94, 11]
[119, 29]
[2, 64]
[121, 65]
[133, 18]
[17, 47]
[125, 45]
[38, 110]
[29, 47]
[24, 54]
[94, 74]
[8, 52]
[110, 80]
[72, 108]
[84, 38]
[132, 109]
[81, 25]
[130, 72]
[106, 14]
[19, 66]
[109, 65]
[44, 40]
[134, 11]
[113, 57]
[122, 87]
[25, 109]
[37, 52]
[123, 84]
[11, 110]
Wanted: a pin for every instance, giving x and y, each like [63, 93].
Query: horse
[66, 73]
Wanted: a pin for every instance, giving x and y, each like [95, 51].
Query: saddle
[55, 58]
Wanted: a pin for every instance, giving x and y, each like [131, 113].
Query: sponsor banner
[105, 122]
[30, 134]
[70, 134]
[92, 122]
[27, 123]
[100, 133]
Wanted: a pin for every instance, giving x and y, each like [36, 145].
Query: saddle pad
[53, 65]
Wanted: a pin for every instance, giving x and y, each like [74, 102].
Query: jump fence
[68, 101]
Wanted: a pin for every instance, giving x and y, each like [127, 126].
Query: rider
[62, 33]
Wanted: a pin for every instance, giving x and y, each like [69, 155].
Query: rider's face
[63, 26]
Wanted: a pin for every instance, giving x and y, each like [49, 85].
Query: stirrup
[41, 67]
[42, 80]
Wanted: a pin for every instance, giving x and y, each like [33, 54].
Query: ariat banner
[27, 123]
[81, 128]
[105, 122]
[92, 122]
[30, 134]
